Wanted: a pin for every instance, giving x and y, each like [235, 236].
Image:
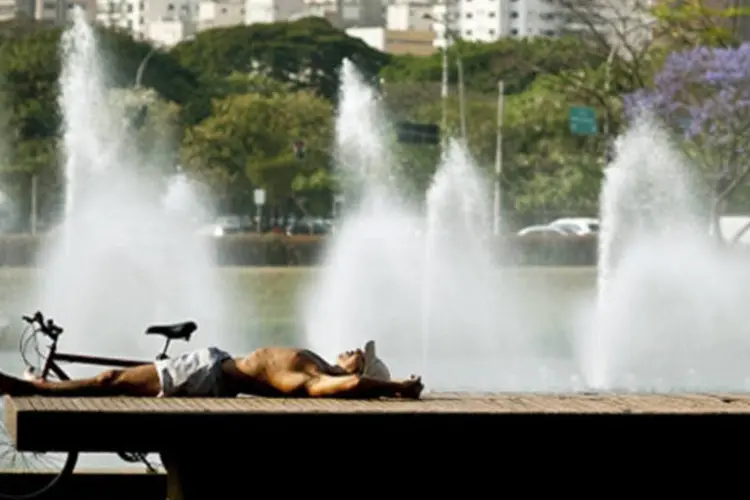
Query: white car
[577, 225]
[549, 230]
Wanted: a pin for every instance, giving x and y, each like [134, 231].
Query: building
[490, 20]
[398, 42]
[348, 13]
[220, 13]
[9, 9]
[272, 11]
[169, 32]
[59, 12]
[411, 16]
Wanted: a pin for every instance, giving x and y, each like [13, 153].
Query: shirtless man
[211, 372]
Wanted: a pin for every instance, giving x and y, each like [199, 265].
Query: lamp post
[142, 66]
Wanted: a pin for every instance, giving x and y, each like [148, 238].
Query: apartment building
[398, 42]
[489, 20]
[272, 11]
[59, 12]
[220, 13]
[341, 13]
[409, 16]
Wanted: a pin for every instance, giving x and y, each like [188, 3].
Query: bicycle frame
[53, 356]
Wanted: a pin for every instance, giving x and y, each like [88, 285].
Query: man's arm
[359, 387]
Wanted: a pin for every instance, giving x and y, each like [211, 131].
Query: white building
[348, 13]
[143, 18]
[272, 11]
[57, 11]
[220, 14]
[411, 42]
[409, 16]
[169, 32]
[489, 20]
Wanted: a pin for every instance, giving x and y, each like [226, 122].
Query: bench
[215, 447]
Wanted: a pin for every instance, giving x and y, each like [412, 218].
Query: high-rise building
[271, 11]
[489, 20]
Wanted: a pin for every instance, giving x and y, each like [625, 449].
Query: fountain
[126, 253]
[420, 280]
[670, 306]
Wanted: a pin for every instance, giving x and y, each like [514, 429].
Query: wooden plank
[440, 403]
[156, 424]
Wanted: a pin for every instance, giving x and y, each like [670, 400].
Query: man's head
[364, 362]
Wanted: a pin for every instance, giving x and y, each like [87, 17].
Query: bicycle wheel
[28, 474]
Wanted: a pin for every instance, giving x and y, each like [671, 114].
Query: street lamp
[142, 66]
[144, 62]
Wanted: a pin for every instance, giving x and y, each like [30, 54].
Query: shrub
[304, 250]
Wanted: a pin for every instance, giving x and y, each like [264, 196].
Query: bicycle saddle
[177, 331]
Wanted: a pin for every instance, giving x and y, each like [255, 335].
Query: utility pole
[462, 99]
[444, 86]
[34, 209]
[499, 157]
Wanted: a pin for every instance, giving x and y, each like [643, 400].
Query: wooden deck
[151, 424]
[451, 435]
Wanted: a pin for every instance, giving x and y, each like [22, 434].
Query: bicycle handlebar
[48, 327]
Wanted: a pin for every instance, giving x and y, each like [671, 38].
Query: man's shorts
[194, 374]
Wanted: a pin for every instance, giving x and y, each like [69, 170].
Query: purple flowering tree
[703, 94]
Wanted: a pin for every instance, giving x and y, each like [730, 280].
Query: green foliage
[248, 141]
[156, 140]
[302, 250]
[516, 61]
[306, 53]
[235, 99]
[29, 68]
[698, 23]
[163, 72]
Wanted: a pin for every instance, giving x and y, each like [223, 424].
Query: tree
[694, 23]
[517, 61]
[163, 72]
[248, 141]
[545, 167]
[30, 70]
[623, 43]
[703, 94]
[306, 53]
[154, 124]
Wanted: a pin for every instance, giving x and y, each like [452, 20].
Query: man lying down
[211, 372]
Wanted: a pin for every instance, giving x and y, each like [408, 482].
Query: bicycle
[37, 324]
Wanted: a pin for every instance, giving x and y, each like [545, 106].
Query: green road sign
[418, 133]
[583, 121]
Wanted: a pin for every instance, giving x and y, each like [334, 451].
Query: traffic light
[139, 118]
[299, 149]
[418, 133]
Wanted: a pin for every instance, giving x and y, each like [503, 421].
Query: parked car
[542, 230]
[576, 225]
[231, 224]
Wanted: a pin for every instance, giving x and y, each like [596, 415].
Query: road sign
[259, 195]
[583, 121]
[418, 133]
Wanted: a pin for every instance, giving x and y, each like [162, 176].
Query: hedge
[280, 250]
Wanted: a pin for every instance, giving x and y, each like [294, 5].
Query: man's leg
[136, 381]
[359, 387]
